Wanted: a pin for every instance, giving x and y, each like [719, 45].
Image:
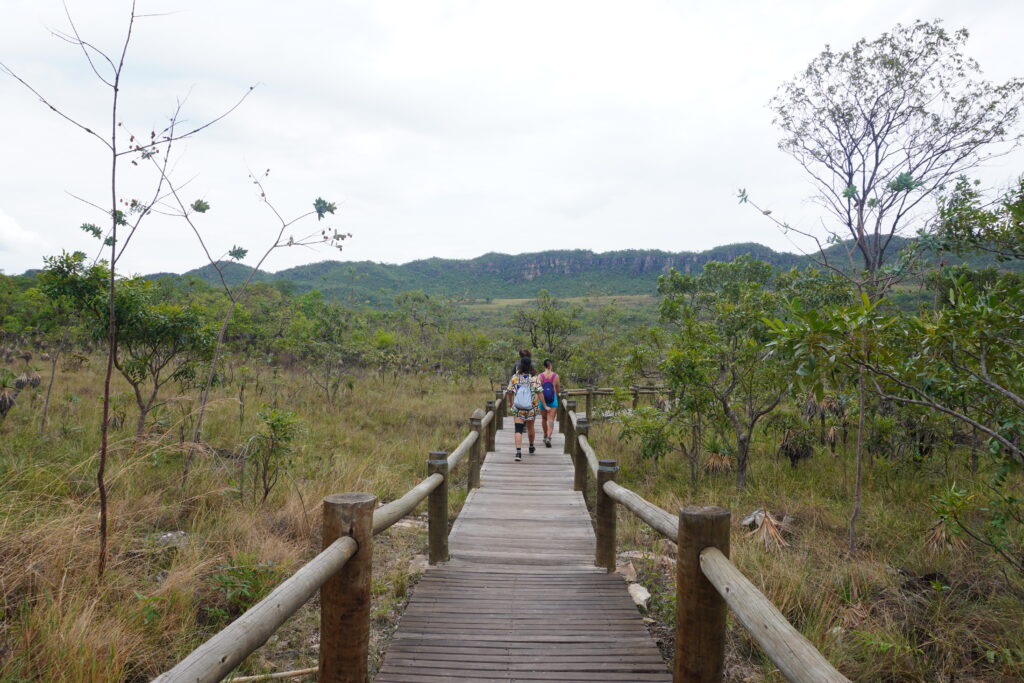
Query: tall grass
[165, 591]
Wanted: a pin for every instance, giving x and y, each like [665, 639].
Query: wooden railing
[341, 572]
[706, 580]
[589, 394]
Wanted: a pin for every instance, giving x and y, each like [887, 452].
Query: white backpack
[524, 395]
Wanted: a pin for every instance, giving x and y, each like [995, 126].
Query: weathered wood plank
[520, 598]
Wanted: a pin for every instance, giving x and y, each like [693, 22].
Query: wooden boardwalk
[520, 599]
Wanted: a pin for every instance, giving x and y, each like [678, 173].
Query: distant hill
[565, 273]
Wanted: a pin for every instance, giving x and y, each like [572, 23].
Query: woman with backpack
[551, 387]
[526, 399]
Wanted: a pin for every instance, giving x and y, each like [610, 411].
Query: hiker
[523, 353]
[524, 394]
[551, 387]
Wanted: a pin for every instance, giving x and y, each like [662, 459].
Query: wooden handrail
[655, 517]
[215, 658]
[463, 448]
[607, 391]
[700, 623]
[385, 516]
[588, 451]
[796, 657]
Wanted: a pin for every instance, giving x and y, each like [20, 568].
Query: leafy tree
[968, 223]
[965, 360]
[718, 349]
[468, 349]
[270, 449]
[886, 125]
[158, 342]
[322, 335]
[549, 324]
[424, 311]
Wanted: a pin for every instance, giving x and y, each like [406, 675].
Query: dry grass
[914, 603]
[163, 589]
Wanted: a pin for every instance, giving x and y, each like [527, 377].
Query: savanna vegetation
[165, 441]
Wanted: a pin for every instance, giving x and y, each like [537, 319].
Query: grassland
[187, 559]
[184, 560]
[587, 303]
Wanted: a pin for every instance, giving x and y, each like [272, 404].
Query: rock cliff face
[564, 273]
[530, 267]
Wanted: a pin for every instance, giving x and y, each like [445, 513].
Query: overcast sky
[444, 129]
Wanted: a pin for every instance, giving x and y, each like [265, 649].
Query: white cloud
[20, 248]
[446, 128]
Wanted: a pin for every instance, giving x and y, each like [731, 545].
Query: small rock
[754, 519]
[173, 539]
[639, 594]
[418, 564]
[648, 620]
[659, 560]
[628, 571]
[410, 524]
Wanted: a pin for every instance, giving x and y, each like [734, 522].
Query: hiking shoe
[532, 449]
[547, 442]
[519, 456]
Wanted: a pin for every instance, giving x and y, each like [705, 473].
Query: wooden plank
[520, 599]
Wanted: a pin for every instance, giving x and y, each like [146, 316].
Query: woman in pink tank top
[551, 387]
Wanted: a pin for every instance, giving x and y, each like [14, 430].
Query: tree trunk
[49, 387]
[742, 450]
[140, 425]
[860, 460]
[974, 450]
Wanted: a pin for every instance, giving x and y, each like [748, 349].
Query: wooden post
[437, 509]
[605, 518]
[570, 434]
[492, 426]
[473, 478]
[700, 610]
[590, 403]
[636, 396]
[345, 597]
[499, 409]
[579, 459]
[560, 413]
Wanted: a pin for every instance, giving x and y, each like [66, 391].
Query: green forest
[165, 439]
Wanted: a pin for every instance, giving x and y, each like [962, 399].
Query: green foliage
[237, 586]
[717, 355]
[151, 607]
[92, 229]
[158, 342]
[549, 325]
[270, 449]
[968, 223]
[650, 430]
[323, 207]
[200, 206]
